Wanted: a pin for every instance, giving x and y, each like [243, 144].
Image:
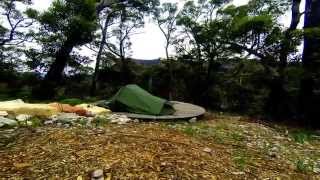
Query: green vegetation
[241, 158]
[227, 58]
[302, 136]
[303, 166]
[35, 122]
[100, 121]
[72, 101]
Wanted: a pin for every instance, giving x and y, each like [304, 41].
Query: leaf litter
[223, 148]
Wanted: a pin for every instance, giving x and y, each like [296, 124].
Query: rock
[238, 173]
[7, 122]
[53, 118]
[48, 122]
[67, 117]
[29, 123]
[119, 119]
[97, 175]
[136, 121]
[273, 154]
[23, 117]
[4, 113]
[208, 150]
[316, 170]
[193, 120]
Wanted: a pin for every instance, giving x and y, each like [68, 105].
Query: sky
[149, 44]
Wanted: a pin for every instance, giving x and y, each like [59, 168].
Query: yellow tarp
[17, 107]
[94, 110]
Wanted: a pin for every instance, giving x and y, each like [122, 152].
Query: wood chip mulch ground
[132, 151]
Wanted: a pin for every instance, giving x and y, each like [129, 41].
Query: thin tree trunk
[170, 71]
[98, 59]
[277, 99]
[286, 43]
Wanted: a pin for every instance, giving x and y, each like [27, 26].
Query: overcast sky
[150, 43]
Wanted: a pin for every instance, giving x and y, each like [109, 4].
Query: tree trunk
[55, 72]
[98, 59]
[54, 75]
[277, 99]
[170, 71]
[311, 54]
[309, 101]
[46, 90]
[286, 43]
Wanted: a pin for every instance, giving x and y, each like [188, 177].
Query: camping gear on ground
[132, 98]
[94, 110]
[18, 107]
[182, 111]
[135, 102]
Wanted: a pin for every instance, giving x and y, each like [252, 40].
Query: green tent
[132, 98]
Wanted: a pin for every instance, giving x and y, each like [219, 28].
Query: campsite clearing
[221, 147]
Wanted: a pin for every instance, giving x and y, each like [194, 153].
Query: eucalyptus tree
[15, 30]
[65, 25]
[118, 21]
[129, 20]
[72, 23]
[203, 30]
[165, 17]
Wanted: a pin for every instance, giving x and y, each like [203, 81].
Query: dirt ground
[221, 147]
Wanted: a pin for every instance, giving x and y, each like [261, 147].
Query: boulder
[7, 122]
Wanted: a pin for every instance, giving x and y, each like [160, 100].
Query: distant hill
[147, 62]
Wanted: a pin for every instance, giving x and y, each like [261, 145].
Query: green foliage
[241, 158]
[36, 122]
[302, 136]
[74, 20]
[303, 166]
[72, 101]
[100, 121]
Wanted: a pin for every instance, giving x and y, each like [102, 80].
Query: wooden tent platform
[182, 111]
